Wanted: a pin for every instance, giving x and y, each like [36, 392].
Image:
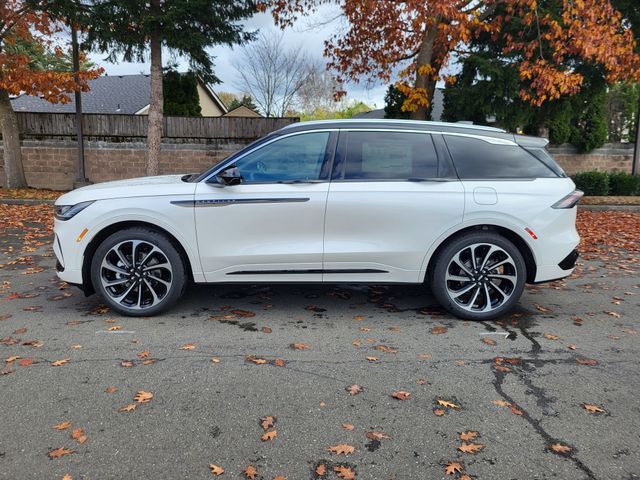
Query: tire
[149, 285]
[462, 287]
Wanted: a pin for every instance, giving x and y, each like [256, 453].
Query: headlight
[65, 212]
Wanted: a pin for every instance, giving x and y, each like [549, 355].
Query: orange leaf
[489, 341]
[467, 436]
[128, 408]
[60, 452]
[377, 436]
[592, 408]
[250, 472]
[268, 436]
[341, 449]
[447, 404]
[143, 397]
[267, 422]
[78, 435]
[452, 468]
[216, 469]
[348, 426]
[470, 447]
[63, 425]
[344, 472]
[321, 470]
[58, 363]
[560, 448]
[438, 330]
[300, 346]
[354, 389]
[110, 390]
[401, 395]
[188, 346]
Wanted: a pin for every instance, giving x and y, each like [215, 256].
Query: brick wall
[611, 157]
[51, 164]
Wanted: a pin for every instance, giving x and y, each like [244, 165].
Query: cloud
[311, 32]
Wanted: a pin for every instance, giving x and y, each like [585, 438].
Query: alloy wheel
[481, 277]
[136, 274]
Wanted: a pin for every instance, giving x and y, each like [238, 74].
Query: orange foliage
[414, 39]
[17, 73]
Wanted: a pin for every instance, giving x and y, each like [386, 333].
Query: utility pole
[81, 179]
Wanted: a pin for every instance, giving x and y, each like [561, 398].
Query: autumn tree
[33, 64]
[417, 37]
[134, 30]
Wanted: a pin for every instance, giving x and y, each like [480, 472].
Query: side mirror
[229, 176]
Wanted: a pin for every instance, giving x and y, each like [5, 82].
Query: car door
[270, 226]
[393, 193]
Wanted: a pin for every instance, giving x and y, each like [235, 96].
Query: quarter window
[377, 155]
[297, 157]
[477, 159]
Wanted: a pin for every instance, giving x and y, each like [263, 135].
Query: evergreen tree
[246, 100]
[393, 101]
[181, 94]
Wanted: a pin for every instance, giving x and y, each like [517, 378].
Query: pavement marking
[506, 334]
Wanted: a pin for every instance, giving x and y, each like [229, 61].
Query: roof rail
[404, 122]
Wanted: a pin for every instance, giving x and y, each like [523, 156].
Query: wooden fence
[40, 125]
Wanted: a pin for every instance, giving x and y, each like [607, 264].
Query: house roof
[242, 111]
[436, 111]
[118, 94]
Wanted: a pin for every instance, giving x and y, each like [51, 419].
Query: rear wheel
[479, 276]
[138, 272]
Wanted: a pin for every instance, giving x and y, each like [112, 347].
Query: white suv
[474, 211]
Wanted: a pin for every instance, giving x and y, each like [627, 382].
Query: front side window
[378, 155]
[294, 158]
[476, 159]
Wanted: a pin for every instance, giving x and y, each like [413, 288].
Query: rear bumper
[549, 273]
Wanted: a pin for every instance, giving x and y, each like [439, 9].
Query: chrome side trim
[223, 202]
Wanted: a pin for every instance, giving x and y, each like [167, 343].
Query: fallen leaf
[439, 412]
[250, 472]
[549, 336]
[20, 331]
[110, 390]
[489, 341]
[344, 472]
[586, 361]
[372, 359]
[267, 422]
[560, 448]
[385, 349]
[592, 408]
[341, 449]
[613, 314]
[12, 359]
[67, 477]
[216, 469]
[127, 363]
[572, 347]
[143, 397]
[128, 408]
[516, 411]
[215, 360]
[471, 447]
[280, 477]
[143, 355]
[300, 346]
[256, 360]
[266, 330]
[358, 318]
[321, 470]
[58, 363]
[540, 308]
[76, 347]
[467, 436]
[377, 436]
[78, 435]
[356, 343]
[278, 362]
[438, 330]
[62, 426]
[501, 403]
[447, 404]
[268, 436]
[188, 346]
[115, 328]
[243, 313]
[424, 355]
[421, 381]
[348, 426]
[354, 389]
[60, 452]
[401, 395]
[452, 468]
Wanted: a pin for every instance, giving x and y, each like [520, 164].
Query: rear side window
[376, 155]
[477, 159]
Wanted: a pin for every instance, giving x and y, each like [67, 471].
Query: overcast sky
[310, 32]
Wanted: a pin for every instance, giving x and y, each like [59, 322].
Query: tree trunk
[425, 57]
[154, 132]
[11, 142]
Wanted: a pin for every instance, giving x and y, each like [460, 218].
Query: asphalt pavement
[223, 359]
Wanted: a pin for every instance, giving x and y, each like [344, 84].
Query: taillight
[570, 200]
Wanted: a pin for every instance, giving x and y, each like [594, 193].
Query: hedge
[602, 183]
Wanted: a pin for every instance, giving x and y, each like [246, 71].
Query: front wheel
[138, 272]
[479, 276]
